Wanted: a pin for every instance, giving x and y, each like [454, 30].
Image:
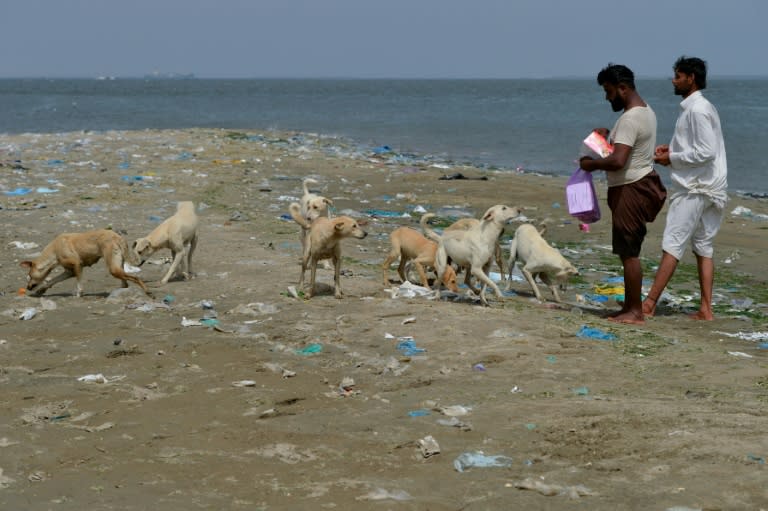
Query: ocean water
[534, 125]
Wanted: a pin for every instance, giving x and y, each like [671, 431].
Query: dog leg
[422, 273]
[499, 260]
[553, 287]
[529, 277]
[177, 257]
[385, 266]
[42, 288]
[487, 282]
[115, 266]
[511, 262]
[337, 276]
[312, 275]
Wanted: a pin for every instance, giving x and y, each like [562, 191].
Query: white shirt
[697, 151]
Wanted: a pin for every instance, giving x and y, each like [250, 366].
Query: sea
[534, 125]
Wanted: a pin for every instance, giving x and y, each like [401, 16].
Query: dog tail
[295, 210]
[542, 227]
[427, 230]
[307, 181]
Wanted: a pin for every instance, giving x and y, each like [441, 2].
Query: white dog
[179, 234]
[474, 247]
[539, 259]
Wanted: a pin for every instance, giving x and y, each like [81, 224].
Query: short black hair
[616, 74]
[693, 66]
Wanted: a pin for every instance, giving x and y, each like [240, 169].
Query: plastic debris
[595, 333]
[310, 349]
[382, 494]
[740, 354]
[28, 313]
[244, 383]
[549, 490]
[428, 446]
[407, 346]
[419, 413]
[93, 378]
[480, 460]
[455, 410]
[747, 336]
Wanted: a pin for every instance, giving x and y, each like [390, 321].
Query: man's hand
[661, 155]
[585, 163]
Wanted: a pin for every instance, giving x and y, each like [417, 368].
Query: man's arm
[615, 161]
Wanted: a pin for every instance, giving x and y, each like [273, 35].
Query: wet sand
[309, 404]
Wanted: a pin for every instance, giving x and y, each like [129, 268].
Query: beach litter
[310, 349]
[428, 446]
[549, 490]
[740, 354]
[480, 460]
[28, 313]
[586, 332]
[382, 494]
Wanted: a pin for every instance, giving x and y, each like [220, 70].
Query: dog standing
[313, 206]
[466, 223]
[179, 234]
[473, 248]
[324, 242]
[539, 259]
[408, 244]
[73, 252]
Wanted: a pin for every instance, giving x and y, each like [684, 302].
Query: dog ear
[339, 226]
[140, 245]
[27, 264]
[329, 202]
[488, 215]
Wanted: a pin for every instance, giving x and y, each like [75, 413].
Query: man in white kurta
[698, 171]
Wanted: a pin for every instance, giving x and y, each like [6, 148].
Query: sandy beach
[374, 401]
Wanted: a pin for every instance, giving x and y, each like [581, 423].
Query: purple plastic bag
[582, 198]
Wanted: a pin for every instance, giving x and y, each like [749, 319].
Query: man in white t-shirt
[699, 171]
[635, 192]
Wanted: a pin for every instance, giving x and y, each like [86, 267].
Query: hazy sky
[377, 39]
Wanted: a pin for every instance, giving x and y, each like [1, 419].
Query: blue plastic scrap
[407, 346]
[595, 333]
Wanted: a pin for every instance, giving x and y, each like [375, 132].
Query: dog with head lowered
[179, 234]
[474, 247]
[75, 251]
[539, 259]
[324, 242]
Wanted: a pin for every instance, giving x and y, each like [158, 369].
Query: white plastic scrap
[747, 336]
[549, 490]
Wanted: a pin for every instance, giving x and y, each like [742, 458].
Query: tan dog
[539, 259]
[179, 234]
[474, 247]
[466, 223]
[73, 252]
[324, 242]
[408, 244]
[313, 206]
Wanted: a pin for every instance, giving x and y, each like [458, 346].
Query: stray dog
[408, 244]
[73, 252]
[313, 206]
[539, 259]
[472, 248]
[178, 233]
[466, 223]
[324, 242]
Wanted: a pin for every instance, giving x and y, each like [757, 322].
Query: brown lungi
[632, 206]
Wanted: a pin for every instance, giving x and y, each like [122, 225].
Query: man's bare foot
[618, 312]
[702, 316]
[627, 318]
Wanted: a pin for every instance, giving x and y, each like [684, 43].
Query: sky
[378, 39]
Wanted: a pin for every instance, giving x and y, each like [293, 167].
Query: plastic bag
[582, 198]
